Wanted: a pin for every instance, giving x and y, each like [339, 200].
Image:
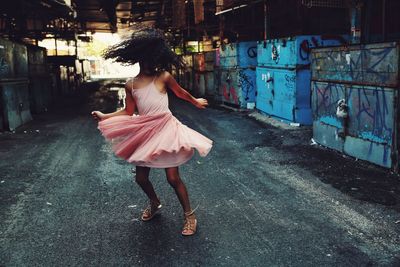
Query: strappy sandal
[190, 224]
[150, 212]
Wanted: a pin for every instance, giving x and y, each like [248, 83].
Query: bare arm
[130, 107]
[182, 93]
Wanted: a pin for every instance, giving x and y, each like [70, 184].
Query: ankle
[155, 202]
[189, 213]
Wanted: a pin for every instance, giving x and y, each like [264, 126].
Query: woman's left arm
[182, 93]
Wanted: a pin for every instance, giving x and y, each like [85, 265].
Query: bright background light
[101, 68]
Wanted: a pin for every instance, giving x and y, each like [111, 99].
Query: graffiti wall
[373, 64]
[355, 106]
[293, 51]
[283, 76]
[236, 79]
[366, 131]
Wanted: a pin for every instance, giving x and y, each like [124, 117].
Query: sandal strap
[188, 213]
[149, 211]
[189, 224]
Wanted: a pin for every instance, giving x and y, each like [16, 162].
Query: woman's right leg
[142, 179]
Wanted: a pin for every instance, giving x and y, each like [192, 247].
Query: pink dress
[154, 138]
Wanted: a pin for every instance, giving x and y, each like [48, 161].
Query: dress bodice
[150, 101]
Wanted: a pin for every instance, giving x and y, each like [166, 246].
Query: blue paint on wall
[293, 51]
[373, 64]
[333, 121]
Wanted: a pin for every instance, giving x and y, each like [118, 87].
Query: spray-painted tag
[348, 59]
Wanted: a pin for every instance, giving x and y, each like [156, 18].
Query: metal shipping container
[236, 77]
[355, 108]
[283, 76]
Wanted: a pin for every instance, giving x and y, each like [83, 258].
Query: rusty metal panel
[372, 64]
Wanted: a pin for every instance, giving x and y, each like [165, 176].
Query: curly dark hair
[147, 46]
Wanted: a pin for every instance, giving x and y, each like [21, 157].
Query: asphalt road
[265, 197]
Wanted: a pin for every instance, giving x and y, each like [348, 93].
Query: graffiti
[373, 119]
[230, 95]
[290, 81]
[325, 99]
[3, 66]
[252, 52]
[275, 54]
[304, 50]
[370, 114]
[375, 66]
[246, 83]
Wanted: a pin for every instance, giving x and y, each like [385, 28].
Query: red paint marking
[225, 92]
[234, 96]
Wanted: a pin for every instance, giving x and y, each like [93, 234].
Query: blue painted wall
[373, 64]
[278, 94]
[283, 76]
[369, 132]
[237, 78]
[291, 52]
[243, 54]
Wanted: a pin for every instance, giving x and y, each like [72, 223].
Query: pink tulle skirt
[157, 141]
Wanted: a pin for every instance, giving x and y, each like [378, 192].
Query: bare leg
[190, 224]
[180, 189]
[142, 179]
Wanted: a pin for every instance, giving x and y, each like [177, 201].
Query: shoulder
[165, 76]
[129, 84]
